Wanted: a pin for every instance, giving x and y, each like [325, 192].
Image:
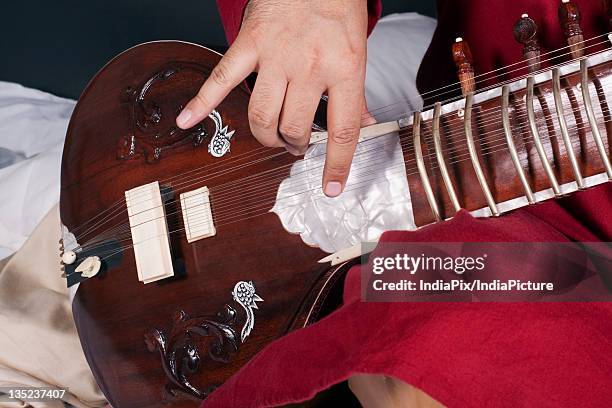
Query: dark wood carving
[151, 116]
[179, 353]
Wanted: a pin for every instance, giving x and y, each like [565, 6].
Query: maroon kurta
[462, 354]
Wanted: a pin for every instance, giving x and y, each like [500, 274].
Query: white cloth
[32, 131]
[395, 50]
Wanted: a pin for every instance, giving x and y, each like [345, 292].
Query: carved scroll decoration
[152, 110]
[179, 353]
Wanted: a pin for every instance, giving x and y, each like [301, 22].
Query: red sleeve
[231, 12]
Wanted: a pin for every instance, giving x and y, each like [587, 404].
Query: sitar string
[451, 119]
[120, 203]
[484, 150]
[219, 219]
[457, 85]
[227, 221]
[484, 144]
[499, 85]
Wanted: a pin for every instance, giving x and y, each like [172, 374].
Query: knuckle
[201, 99]
[344, 136]
[261, 119]
[292, 131]
[336, 169]
[314, 62]
[253, 27]
[221, 74]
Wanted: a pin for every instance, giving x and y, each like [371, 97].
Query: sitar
[184, 273]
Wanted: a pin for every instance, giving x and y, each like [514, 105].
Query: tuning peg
[526, 33]
[465, 70]
[569, 16]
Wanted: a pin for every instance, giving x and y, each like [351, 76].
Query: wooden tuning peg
[526, 33]
[464, 62]
[569, 16]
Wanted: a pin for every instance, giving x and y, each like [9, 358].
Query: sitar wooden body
[140, 94]
[176, 339]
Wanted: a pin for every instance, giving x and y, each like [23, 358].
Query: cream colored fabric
[381, 391]
[39, 346]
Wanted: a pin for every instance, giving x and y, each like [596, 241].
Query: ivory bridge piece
[149, 230]
[197, 215]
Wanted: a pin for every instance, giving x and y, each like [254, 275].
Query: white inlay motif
[220, 142]
[244, 294]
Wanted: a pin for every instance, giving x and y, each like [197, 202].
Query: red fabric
[231, 12]
[462, 354]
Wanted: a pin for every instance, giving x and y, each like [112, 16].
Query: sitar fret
[535, 134]
[418, 154]
[474, 156]
[586, 95]
[556, 80]
[510, 142]
[448, 183]
[575, 162]
[518, 154]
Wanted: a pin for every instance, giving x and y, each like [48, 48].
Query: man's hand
[300, 49]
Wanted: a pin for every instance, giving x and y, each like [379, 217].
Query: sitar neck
[539, 137]
[543, 136]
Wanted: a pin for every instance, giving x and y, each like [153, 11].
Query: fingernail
[333, 189]
[183, 118]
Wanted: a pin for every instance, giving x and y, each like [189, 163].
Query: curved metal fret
[563, 126]
[537, 141]
[512, 147]
[588, 105]
[469, 99]
[440, 157]
[418, 153]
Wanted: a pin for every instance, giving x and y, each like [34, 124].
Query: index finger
[237, 63]
[344, 117]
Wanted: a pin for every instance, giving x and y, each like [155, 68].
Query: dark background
[57, 46]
